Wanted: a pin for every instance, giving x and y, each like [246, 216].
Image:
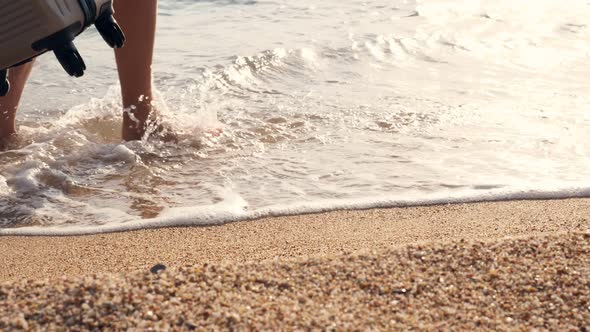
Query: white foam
[4, 188]
[120, 153]
[25, 180]
[234, 210]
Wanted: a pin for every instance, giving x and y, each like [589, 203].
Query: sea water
[321, 105]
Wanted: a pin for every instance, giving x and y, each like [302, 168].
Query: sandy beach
[184, 182]
[486, 265]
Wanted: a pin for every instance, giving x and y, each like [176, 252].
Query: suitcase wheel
[70, 59]
[110, 31]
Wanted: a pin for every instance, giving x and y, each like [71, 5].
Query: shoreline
[219, 215]
[298, 236]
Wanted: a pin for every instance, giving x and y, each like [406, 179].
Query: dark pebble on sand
[157, 268]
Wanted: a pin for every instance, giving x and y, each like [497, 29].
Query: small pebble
[157, 268]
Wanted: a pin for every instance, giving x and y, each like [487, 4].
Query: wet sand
[348, 268]
[323, 234]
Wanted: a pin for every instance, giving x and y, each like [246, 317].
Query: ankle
[8, 140]
[137, 119]
[7, 128]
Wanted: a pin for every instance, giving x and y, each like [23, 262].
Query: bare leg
[134, 63]
[9, 103]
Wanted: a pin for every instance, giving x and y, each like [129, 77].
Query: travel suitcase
[29, 28]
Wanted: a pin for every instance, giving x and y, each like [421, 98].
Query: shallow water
[338, 104]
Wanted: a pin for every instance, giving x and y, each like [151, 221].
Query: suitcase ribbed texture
[64, 7]
[19, 18]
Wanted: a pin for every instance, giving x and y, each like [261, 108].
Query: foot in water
[14, 142]
[144, 122]
[8, 142]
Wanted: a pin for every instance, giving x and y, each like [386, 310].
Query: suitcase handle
[110, 30]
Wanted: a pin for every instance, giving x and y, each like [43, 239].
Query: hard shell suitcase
[29, 28]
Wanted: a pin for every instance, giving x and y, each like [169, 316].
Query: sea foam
[235, 210]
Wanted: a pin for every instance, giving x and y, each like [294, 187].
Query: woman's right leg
[9, 103]
[134, 64]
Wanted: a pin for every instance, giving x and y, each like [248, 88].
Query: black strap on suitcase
[4, 85]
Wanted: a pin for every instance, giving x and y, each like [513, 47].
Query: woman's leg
[134, 63]
[9, 103]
